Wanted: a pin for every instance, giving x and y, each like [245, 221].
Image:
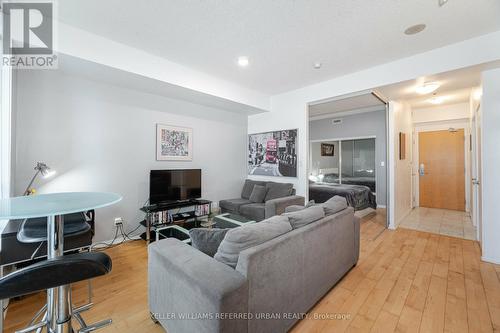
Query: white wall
[441, 113]
[102, 138]
[401, 196]
[490, 182]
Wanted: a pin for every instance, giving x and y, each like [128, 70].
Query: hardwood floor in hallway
[405, 281]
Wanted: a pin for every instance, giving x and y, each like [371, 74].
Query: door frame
[442, 126]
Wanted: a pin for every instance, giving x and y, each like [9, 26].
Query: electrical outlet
[118, 221]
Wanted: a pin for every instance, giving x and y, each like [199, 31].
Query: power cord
[126, 236]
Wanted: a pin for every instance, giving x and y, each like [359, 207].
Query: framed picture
[273, 153]
[174, 143]
[402, 146]
[327, 149]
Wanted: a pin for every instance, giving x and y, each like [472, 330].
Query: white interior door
[476, 173]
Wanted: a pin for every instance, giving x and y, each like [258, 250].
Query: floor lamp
[40, 168]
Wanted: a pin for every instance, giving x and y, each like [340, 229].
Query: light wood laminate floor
[405, 281]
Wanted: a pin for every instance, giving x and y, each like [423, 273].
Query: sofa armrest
[184, 282]
[277, 206]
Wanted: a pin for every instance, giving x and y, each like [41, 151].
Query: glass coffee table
[230, 220]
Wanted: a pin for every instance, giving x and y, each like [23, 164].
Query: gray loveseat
[283, 277]
[278, 196]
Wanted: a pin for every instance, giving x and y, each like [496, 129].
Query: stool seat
[34, 230]
[54, 273]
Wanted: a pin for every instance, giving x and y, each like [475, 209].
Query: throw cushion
[249, 235]
[278, 190]
[207, 240]
[305, 216]
[310, 203]
[248, 187]
[258, 194]
[293, 208]
[334, 205]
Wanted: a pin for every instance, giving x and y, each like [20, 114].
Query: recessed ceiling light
[415, 29]
[442, 3]
[243, 61]
[437, 100]
[317, 65]
[427, 88]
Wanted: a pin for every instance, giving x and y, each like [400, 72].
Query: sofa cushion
[249, 235]
[248, 187]
[207, 240]
[293, 208]
[233, 205]
[278, 190]
[258, 194]
[334, 205]
[305, 216]
[254, 211]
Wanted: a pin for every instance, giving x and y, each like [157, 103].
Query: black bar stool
[53, 273]
[34, 230]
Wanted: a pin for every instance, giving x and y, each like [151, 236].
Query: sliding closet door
[358, 162]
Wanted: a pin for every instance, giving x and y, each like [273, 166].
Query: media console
[185, 213]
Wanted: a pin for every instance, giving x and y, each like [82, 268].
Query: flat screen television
[174, 185]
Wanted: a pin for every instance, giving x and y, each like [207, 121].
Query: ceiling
[282, 38]
[455, 86]
[105, 74]
[359, 103]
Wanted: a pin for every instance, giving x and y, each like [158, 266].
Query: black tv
[174, 185]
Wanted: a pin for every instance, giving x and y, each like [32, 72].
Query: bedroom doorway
[442, 169]
[348, 155]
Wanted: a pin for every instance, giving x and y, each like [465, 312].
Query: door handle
[476, 182]
[421, 169]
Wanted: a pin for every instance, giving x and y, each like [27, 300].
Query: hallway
[441, 221]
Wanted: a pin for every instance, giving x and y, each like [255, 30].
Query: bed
[358, 196]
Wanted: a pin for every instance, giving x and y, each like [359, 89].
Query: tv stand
[171, 213]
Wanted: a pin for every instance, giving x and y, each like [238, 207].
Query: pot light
[415, 29]
[317, 65]
[427, 88]
[436, 100]
[243, 61]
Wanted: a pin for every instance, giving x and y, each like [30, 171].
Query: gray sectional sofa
[276, 198]
[281, 278]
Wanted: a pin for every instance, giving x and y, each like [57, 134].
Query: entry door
[442, 169]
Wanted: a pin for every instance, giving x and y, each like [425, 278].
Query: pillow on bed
[334, 205]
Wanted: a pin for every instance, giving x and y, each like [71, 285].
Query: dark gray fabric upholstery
[278, 190]
[233, 205]
[185, 281]
[248, 187]
[258, 194]
[248, 235]
[207, 240]
[305, 216]
[334, 205]
[254, 211]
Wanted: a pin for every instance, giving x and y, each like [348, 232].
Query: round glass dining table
[54, 206]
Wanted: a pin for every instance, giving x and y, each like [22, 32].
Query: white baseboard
[381, 206]
[490, 260]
